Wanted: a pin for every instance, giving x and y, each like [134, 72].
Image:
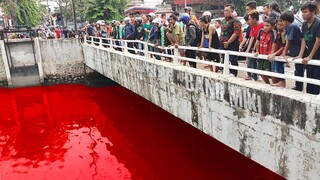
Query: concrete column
[39, 59]
[5, 61]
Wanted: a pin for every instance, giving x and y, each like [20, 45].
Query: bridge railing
[173, 54]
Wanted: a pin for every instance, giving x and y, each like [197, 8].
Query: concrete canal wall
[56, 60]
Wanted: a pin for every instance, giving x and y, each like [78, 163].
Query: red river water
[79, 132]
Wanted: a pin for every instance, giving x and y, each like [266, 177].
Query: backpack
[273, 36]
[198, 35]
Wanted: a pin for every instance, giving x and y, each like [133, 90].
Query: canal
[79, 132]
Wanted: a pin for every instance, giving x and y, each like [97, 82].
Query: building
[199, 6]
[139, 6]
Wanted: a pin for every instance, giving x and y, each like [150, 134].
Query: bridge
[276, 127]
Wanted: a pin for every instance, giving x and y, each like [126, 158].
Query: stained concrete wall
[3, 76]
[62, 60]
[279, 128]
[21, 52]
[59, 60]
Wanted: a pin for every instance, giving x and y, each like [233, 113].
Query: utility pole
[185, 3]
[74, 16]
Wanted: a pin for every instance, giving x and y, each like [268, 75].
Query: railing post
[226, 70]
[146, 50]
[100, 42]
[125, 49]
[85, 39]
[175, 56]
[91, 37]
[111, 43]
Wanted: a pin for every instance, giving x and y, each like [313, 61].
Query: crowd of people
[56, 33]
[272, 33]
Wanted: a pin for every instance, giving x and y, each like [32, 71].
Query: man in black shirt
[65, 32]
[310, 43]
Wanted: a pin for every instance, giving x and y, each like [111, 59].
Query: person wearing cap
[155, 36]
[188, 10]
[190, 38]
[129, 32]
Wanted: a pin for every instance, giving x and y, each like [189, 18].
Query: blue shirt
[294, 35]
[154, 33]
[129, 32]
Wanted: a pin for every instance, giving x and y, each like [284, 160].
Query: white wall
[62, 57]
[278, 128]
[153, 2]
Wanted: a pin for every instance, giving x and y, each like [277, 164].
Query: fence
[123, 45]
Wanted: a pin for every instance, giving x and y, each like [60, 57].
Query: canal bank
[26, 62]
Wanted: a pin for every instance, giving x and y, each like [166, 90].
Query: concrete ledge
[279, 128]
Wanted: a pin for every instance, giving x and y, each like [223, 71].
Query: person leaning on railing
[264, 43]
[190, 38]
[293, 43]
[277, 49]
[310, 43]
[209, 40]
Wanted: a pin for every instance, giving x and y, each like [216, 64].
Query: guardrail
[123, 45]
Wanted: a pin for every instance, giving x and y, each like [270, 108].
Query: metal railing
[176, 58]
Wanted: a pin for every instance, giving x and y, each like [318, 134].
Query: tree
[65, 8]
[82, 7]
[105, 9]
[23, 12]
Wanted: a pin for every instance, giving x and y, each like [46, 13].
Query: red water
[77, 132]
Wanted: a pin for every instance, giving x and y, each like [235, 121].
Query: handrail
[225, 65]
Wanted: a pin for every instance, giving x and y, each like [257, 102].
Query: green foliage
[105, 9]
[29, 13]
[23, 12]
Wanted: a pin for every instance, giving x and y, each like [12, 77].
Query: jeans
[130, 45]
[191, 54]
[252, 63]
[232, 59]
[154, 49]
[314, 73]
[140, 46]
[299, 71]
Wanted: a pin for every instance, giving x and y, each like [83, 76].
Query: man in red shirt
[255, 28]
[58, 32]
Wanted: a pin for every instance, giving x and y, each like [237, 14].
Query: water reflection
[50, 131]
